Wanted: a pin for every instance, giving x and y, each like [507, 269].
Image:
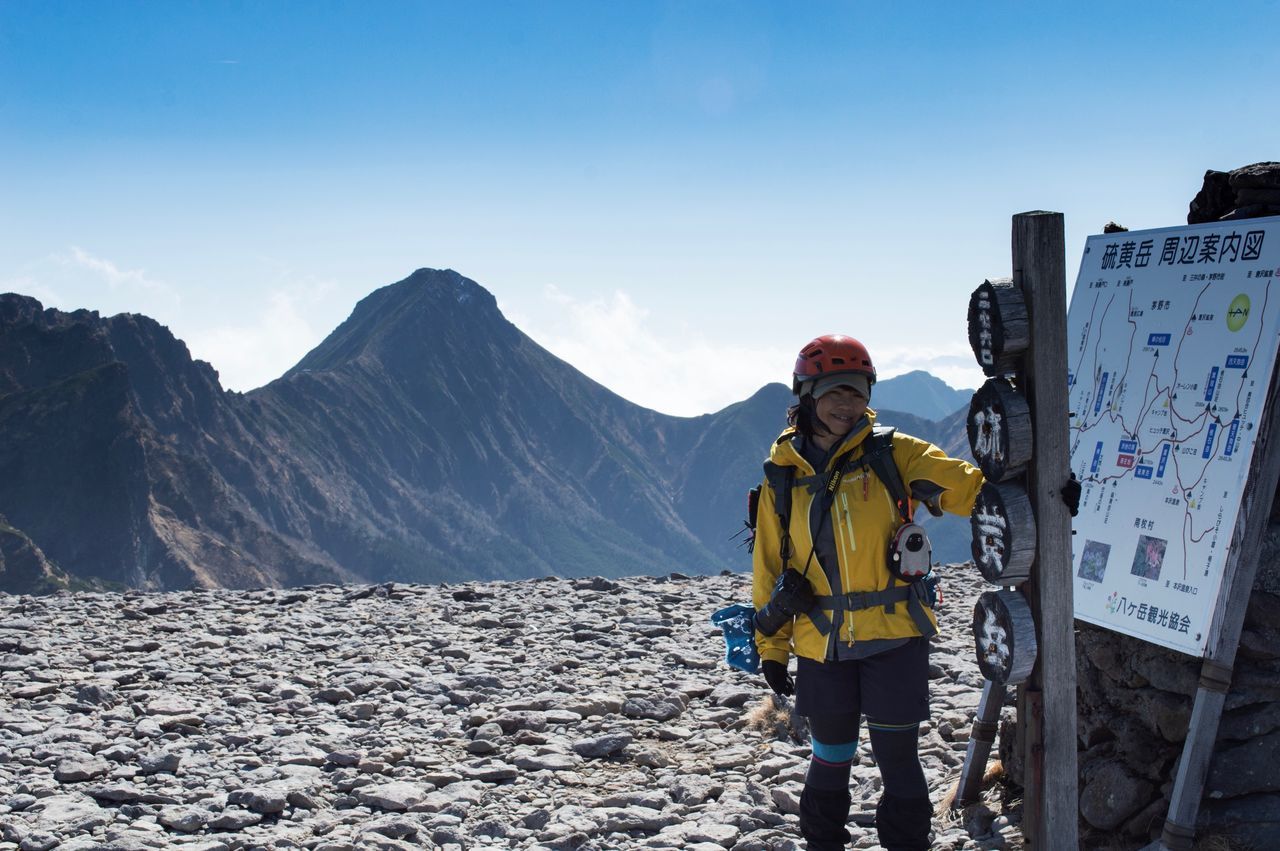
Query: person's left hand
[775, 674]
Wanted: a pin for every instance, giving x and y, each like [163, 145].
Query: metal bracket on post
[1215, 676]
[1175, 837]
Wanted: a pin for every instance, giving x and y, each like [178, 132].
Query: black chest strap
[911, 593]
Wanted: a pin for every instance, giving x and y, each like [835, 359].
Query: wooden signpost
[1024, 635]
[1019, 431]
[1005, 636]
[985, 726]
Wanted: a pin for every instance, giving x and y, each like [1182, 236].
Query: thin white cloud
[252, 354]
[75, 278]
[618, 343]
[621, 345]
[115, 277]
[29, 286]
[247, 354]
[954, 364]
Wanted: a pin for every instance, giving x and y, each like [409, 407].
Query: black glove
[775, 674]
[1071, 495]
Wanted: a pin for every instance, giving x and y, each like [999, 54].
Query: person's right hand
[775, 674]
[1071, 495]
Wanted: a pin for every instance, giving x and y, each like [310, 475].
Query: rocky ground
[547, 714]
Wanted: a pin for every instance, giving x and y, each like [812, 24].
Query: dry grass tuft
[773, 718]
[948, 803]
[993, 775]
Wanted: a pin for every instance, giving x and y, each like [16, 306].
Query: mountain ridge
[921, 393]
[425, 439]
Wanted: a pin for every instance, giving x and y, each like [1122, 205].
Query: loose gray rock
[602, 746]
[39, 840]
[70, 813]
[155, 762]
[233, 819]
[395, 797]
[183, 819]
[265, 801]
[77, 769]
[418, 716]
[639, 707]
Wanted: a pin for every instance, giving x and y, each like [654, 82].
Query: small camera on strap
[792, 595]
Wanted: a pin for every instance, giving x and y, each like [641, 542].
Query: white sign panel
[1171, 340]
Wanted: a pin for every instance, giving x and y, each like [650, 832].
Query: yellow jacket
[864, 518]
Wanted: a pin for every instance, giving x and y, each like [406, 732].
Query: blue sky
[672, 196]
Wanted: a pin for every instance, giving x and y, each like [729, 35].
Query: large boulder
[1247, 192]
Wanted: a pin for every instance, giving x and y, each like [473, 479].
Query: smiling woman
[836, 369]
[857, 622]
[839, 407]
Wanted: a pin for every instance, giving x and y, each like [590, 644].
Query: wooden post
[1051, 795]
[985, 726]
[1224, 631]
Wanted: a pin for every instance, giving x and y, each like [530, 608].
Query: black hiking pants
[892, 689]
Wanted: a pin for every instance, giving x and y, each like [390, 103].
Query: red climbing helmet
[831, 354]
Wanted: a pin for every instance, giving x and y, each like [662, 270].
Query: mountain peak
[426, 304]
[445, 282]
[435, 289]
[431, 440]
[18, 309]
[920, 393]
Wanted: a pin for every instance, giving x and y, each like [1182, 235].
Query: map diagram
[1171, 341]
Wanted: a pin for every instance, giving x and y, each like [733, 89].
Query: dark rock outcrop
[120, 456]
[1247, 192]
[23, 567]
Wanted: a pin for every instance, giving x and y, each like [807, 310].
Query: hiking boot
[822, 817]
[903, 824]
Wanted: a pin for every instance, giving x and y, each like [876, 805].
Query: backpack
[877, 455]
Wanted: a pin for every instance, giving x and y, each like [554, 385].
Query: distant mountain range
[921, 394]
[426, 439]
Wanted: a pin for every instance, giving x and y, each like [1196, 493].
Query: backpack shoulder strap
[878, 455]
[780, 479]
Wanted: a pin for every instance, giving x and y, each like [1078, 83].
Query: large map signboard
[1171, 341]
